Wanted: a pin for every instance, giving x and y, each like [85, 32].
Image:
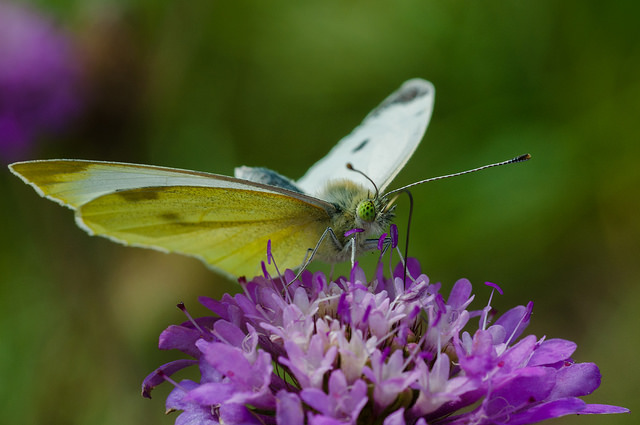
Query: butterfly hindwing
[226, 229]
[382, 144]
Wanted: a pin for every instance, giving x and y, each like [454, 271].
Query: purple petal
[344, 308]
[523, 387]
[517, 355]
[175, 400]
[197, 415]
[180, 338]
[343, 401]
[576, 380]
[413, 268]
[552, 351]
[324, 420]
[234, 413]
[193, 413]
[218, 307]
[211, 393]
[516, 317]
[317, 399]
[288, 409]
[459, 294]
[231, 362]
[482, 358]
[229, 333]
[598, 409]
[357, 274]
[395, 418]
[544, 411]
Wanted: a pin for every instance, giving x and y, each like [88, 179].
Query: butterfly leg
[312, 252]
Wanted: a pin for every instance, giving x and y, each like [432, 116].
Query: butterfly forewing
[224, 221]
[75, 182]
[382, 144]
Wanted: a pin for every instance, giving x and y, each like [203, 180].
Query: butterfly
[332, 212]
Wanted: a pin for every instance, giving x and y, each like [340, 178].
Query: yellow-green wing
[227, 229]
[224, 221]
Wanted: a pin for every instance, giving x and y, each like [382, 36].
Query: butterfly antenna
[520, 158]
[350, 167]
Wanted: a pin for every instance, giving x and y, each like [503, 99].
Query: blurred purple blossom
[39, 79]
[357, 351]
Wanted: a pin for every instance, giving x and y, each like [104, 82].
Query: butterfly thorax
[356, 207]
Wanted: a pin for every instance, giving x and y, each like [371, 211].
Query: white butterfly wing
[381, 145]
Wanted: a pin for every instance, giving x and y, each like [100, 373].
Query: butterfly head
[357, 208]
[366, 210]
[373, 214]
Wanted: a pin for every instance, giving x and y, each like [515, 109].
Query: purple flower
[39, 75]
[355, 351]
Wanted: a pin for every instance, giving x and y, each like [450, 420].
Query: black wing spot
[138, 195]
[406, 94]
[170, 217]
[360, 146]
[410, 94]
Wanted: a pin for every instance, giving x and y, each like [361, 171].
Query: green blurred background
[209, 85]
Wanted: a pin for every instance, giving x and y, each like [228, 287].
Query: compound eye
[366, 211]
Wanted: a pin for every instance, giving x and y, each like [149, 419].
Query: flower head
[353, 351]
[39, 74]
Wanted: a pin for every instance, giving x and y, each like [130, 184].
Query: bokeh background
[210, 85]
